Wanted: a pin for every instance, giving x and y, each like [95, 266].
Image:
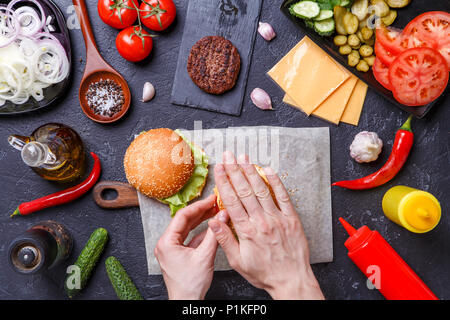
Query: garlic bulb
[148, 92]
[266, 31]
[261, 99]
[366, 147]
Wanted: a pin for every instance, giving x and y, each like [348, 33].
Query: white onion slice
[29, 21]
[37, 4]
[9, 27]
[50, 63]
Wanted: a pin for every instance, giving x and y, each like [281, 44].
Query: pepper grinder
[40, 248]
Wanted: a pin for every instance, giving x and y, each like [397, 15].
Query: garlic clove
[148, 92]
[261, 99]
[266, 31]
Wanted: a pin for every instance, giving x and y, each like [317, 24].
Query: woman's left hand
[188, 269]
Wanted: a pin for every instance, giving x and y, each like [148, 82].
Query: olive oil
[54, 151]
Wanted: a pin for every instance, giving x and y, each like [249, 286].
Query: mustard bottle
[417, 211]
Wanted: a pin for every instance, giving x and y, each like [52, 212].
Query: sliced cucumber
[345, 3]
[309, 23]
[324, 27]
[305, 9]
[324, 14]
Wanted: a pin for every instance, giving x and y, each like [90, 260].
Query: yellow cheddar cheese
[308, 75]
[352, 112]
[333, 107]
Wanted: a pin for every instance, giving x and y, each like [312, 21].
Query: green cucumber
[328, 4]
[324, 14]
[305, 9]
[121, 282]
[87, 260]
[325, 27]
[309, 23]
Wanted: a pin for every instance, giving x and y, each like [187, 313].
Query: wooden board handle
[126, 195]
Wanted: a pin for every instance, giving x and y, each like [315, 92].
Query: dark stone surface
[427, 169]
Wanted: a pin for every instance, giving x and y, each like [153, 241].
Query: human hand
[188, 269]
[272, 252]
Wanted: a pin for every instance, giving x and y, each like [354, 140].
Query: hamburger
[162, 164]
[221, 206]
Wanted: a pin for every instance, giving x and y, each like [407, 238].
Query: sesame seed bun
[159, 163]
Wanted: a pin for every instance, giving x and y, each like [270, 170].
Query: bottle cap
[357, 237]
[419, 211]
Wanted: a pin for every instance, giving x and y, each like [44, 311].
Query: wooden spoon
[97, 69]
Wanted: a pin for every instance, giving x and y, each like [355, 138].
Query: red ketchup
[388, 272]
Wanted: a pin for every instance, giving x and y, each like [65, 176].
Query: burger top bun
[159, 163]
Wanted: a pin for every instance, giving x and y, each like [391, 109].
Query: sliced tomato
[390, 38]
[418, 76]
[431, 29]
[383, 54]
[381, 73]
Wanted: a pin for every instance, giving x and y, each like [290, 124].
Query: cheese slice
[333, 107]
[352, 112]
[308, 75]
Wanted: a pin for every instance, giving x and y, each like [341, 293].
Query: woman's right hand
[272, 252]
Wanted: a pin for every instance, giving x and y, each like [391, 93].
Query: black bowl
[54, 92]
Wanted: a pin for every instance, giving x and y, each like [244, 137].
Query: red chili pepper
[64, 196]
[400, 152]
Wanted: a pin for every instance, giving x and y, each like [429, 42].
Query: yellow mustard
[417, 211]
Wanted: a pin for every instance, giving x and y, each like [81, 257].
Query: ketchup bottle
[383, 266]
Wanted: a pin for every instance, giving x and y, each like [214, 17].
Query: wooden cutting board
[235, 20]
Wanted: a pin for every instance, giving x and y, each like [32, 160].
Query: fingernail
[228, 157]
[242, 159]
[215, 227]
[223, 216]
[269, 171]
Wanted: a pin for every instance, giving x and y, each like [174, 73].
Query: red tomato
[431, 29]
[383, 54]
[381, 73]
[134, 43]
[390, 39]
[158, 15]
[116, 14]
[418, 76]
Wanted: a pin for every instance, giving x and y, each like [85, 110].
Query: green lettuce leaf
[193, 187]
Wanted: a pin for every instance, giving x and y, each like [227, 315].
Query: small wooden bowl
[98, 76]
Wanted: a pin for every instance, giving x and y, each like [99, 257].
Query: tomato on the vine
[158, 15]
[118, 14]
[134, 43]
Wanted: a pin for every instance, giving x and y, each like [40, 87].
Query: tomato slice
[390, 38]
[431, 29]
[383, 54]
[381, 73]
[418, 76]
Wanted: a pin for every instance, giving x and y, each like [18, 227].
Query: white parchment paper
[301, 156]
